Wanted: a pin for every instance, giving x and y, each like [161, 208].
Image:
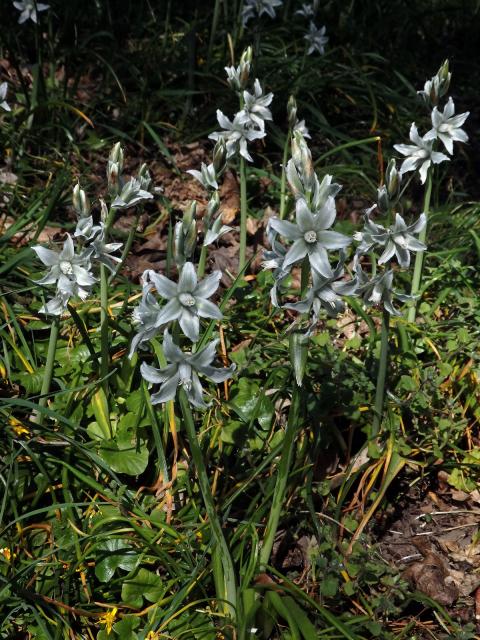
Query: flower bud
[80, 202]
[245, 63]
[185, 236]
[103, 211]
[115, 168]
[144, 178]
[383, 201]
[393, 180]
[292, 112]
[303, 159]
[444, 76]
[220, 157]
[213, 204]
[298, 344]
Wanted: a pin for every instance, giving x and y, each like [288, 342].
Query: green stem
[228, 592]
[201, 262]
[47, 377]
[282, 479]
[127, 247]
[104, 338]
[213, 31]
[283, 183]
[243, 215]
[381, 377]
[417, 272]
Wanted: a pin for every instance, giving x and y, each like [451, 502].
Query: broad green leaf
[145, 584]
[114, 553]
[125, 628]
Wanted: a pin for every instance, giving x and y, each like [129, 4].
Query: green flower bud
[80, 201]
[393, 180]
[292, 111]
[220, 157]
[114, 169]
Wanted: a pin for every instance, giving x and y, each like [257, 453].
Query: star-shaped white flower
[447, 126]
[236, 135]
[419, 155]
[29, 10]
[316, 39]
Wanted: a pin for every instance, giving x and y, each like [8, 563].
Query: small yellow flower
[17, 426]
[6, 553]
[108, 619]
[152, 635]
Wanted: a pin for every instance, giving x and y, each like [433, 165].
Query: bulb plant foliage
[173, 322]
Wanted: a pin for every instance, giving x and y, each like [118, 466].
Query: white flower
[307, 11]
[29, 10]
[3, 97]
[301, 128]
[258, 8]
[132, 193]
[255, 109]
[182, 370]
[420, 155]
[447, 126]
[316, 39]
[236, 135]
[69, 271]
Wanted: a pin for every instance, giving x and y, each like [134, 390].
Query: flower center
[187, 299]
[66, 267]
[310, 236]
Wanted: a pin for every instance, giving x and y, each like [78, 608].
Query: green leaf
[306, 628]
[249, 403]
[329, 586]
[145, 584]
[125, 628]
[114, 554]
[126, 453]
[102, 413]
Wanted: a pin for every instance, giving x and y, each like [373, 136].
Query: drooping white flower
[257, 8]
[182, 371]
[29, 10]
[316, 39]
[236, 135]
[447, 126]
[3, 97]
[419, 156]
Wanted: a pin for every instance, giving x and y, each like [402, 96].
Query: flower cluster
[70, 268]
[312, 239]
[248, 124]
[187, 302]
[446, 127]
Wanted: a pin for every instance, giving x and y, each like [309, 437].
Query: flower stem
[47, 376]
[243, 215]
[283, 183]
[228, 590]
[127, 247]
[381, 376]
[417, 272]
[104, 341]
[282, 479]
[201, 262]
